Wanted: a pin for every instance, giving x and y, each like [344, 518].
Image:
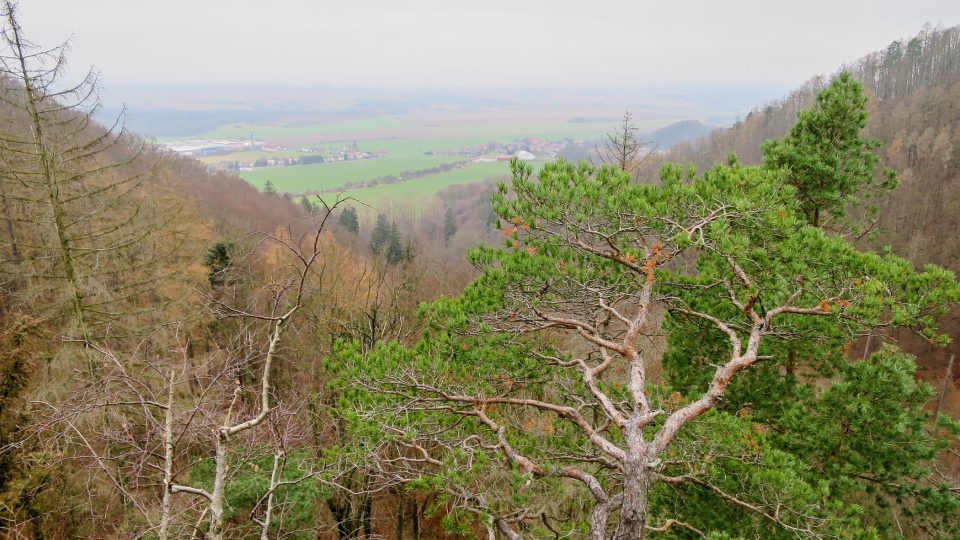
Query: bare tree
[288, 297]
[146, 422]
[623, 149]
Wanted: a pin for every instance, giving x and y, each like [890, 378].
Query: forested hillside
[130, 279]
[914, 109]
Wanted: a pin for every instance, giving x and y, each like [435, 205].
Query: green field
[477, 135]
[417, 145]
[327, 176]
[405, 142]
[419, 190]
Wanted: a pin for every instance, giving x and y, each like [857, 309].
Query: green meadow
[419, 190]
[406, 143]
[327, 176]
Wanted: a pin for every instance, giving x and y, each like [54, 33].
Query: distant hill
[661, 139]
[684, 130]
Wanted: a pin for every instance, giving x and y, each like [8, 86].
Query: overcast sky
[453, 43]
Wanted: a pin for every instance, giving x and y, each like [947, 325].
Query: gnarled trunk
[635, 505]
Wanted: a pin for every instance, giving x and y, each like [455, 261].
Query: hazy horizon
[493, 45]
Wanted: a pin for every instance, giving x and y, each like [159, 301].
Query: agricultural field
[407, 142]
[327, 176]
[420, 190]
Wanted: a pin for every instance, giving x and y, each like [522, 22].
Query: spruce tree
[306, 205]
[218, 259]
[348, 220]
[395, 252]
[380, 236]
[449, 226]
[268, 188]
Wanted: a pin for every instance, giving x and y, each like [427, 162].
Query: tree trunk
[947, 381]
[598, 521]
[167, 462]
[635, 506]
[55, 199]
[14, 250]
[366, 512]
[219, 488]
[401, 509]
[274, 481]
[416, 518]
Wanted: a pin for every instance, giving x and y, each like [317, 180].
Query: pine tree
[825, 157]
[536, 375]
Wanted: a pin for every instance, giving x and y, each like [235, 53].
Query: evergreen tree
[825, 157]
[395, 252]
[380, 237]
[449, 226]
[409, 252]
[268, 188]
[542, 364]
[348, 220]
[784, 393]
[306, 205]
[218, 259]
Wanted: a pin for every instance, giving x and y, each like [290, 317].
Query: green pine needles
[825, 157]
[535, 406]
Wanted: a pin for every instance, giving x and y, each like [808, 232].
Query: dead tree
[623, 149]
[80, 230]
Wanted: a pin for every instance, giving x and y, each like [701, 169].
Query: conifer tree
[380, 237]
[825, 156]
[449, 226]
[218, 259]
[623, 149]
[348, 220]
[395, 251]
[306, 205]
[531, 393]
